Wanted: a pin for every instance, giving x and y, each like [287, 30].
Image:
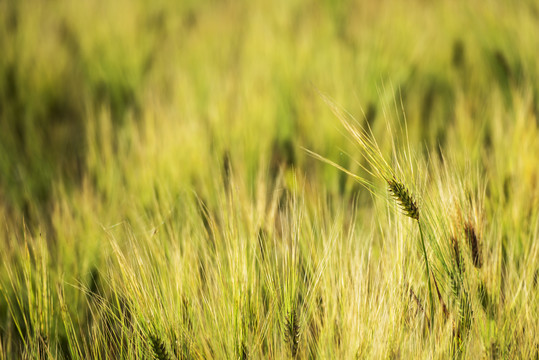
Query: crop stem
[427, 271]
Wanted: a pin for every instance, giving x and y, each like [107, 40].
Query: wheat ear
[159, 348]
[405, 201]
[292, 331]
[473, 242]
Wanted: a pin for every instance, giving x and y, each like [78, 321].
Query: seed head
[403, 198]
[473, 242]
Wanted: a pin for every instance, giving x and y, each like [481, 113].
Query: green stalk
[428, 274]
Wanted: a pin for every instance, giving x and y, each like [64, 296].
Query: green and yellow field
[171, 184]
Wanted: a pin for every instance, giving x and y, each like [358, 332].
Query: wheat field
[269, 180]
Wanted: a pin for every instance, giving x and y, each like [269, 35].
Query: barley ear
[292, 331]
[473, 243]
[159, 348]
[405, 201]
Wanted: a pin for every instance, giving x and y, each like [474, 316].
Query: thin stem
[431, 301]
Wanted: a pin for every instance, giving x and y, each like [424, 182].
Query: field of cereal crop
[269, 180]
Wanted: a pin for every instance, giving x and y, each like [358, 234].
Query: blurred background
[104, 94]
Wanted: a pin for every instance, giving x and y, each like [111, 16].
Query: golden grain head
[405, 201]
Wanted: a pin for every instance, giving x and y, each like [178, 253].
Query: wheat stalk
[440, 299]
[382, 170]
[419, 305]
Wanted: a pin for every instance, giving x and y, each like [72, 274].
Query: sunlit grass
[162, 194]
